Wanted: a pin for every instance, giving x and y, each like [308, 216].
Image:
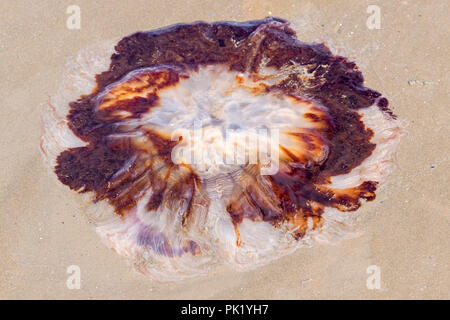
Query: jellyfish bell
[201, 144]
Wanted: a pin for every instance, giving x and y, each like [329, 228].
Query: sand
[405, 231]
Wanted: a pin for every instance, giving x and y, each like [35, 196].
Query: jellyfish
[217, 143]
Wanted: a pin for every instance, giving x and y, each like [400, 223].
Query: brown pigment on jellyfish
[293, 195]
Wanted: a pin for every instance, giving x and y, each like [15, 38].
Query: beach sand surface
[405, 231]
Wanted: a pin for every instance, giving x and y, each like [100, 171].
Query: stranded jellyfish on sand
[122, 111]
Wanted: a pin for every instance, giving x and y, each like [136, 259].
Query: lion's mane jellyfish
[170, 133]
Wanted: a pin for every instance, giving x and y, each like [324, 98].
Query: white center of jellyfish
[227, 119]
